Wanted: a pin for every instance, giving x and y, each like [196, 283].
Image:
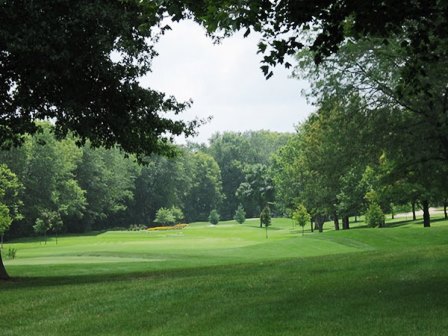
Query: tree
[108, 181]
[240, 215]
[301, 216]
[206, 188]
[283, 25]
[235, 153]
[257, 188]
[56, 224]
[165, 216]
[213, 218]
[5, 222]
[10, 202]
[10, 188]
[61, 69]
[374, 216]
[41, 228]
[265, 218]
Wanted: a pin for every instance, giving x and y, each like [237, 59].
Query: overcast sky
[225, 81]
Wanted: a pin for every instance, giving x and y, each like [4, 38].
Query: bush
[375, 216]
[165, 216]
[240, 215]
[177, 214]
[214, 217]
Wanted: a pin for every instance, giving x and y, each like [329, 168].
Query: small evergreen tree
[214, 217]
[240, 215]
[375, 216]
[265, 216]
[301, 216]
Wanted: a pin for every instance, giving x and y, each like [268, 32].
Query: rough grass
[231, 280]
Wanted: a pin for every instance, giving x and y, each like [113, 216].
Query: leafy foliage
[301, 216]
[240, 215]
[165, 216]
[213, 218]
[374, 216]
[62, 69]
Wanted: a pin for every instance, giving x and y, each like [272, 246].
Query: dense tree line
[378, 138]
[98, 188]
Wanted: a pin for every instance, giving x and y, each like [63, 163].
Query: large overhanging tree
[56, 64]
[77, 63]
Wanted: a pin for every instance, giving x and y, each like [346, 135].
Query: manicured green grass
[231, 280]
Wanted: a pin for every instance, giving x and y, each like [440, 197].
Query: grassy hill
[229, 279]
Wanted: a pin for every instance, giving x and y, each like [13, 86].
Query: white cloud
[225, 81]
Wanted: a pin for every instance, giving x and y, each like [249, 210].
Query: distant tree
[257, 188]
[214, 217]
[265, 218]
[374, 215]
[5, 222]
[41, 228]
[56, 224]
[165, 216]
[206, 187]
[301, 216]
[240, 215]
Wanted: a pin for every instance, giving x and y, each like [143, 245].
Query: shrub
[177, 214]
[240, 215]
[374, 215]
[165, 216]
[214, 217]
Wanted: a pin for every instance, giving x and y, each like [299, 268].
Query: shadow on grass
[41, 281]
[414, 223]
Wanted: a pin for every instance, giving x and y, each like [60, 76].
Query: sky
[225, 82]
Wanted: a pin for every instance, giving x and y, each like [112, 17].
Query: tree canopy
[78, 64]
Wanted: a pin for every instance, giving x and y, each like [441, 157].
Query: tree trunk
[336, 221]
[312, 227]
[345, 223]
[319, 223]
[3, 274]
[1, 244]
[414, 217]
[445, 204]
[356, 219]
[426, 218]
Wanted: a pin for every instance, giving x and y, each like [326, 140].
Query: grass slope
[230, 279]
